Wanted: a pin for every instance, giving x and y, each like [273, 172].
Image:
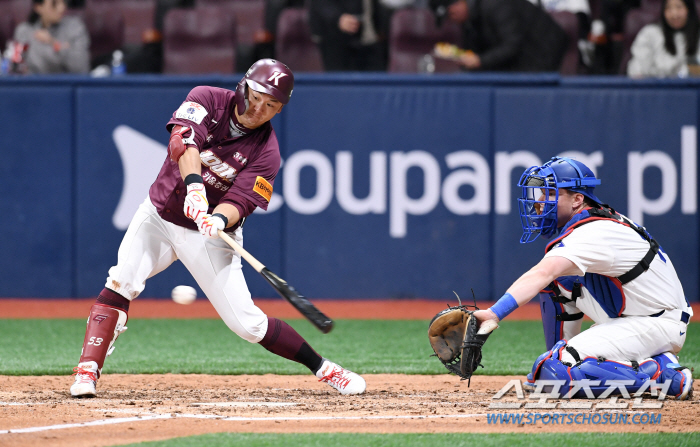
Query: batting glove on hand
[196, 204]
[210, 225]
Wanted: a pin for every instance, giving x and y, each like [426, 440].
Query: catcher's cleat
[343, 380]
[529, 384]
[85, 380]
[687, 388]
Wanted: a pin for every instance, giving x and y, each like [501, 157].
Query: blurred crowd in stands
[639, 38]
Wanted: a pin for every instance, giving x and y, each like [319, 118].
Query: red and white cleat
[343, 380]
[85, 380]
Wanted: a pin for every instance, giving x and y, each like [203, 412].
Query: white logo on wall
[142, 158]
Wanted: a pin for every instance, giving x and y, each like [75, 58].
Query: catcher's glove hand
[457, 339]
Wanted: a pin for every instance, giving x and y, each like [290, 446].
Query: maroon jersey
[239, 165]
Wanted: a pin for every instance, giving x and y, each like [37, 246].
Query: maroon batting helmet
[267, 76]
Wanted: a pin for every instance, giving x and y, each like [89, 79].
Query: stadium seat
[635, 20]
[106, 29]
[200, 40]
[138, 15]
[413, 35]
[250, 16]
[293, 44]
[569, 23]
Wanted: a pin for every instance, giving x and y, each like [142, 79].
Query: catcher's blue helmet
[539, 217]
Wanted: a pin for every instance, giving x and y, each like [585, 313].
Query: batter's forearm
[230, 211]
[190, 163]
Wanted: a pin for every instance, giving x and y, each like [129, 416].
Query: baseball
[184, 294]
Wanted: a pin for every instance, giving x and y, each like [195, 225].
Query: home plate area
[136, 408]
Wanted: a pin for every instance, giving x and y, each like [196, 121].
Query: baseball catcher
[457, 339]
[601, 264]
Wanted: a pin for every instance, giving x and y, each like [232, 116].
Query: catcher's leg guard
[554, 352]
[607, 372]
[562, 363]
[680, 376]
[560, 317]
[666, 360]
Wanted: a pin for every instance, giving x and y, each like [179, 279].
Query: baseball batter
[223, 157]
[601, 264]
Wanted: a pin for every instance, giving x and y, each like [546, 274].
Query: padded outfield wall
[391, 186]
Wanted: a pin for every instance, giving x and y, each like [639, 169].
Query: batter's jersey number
[95, 341]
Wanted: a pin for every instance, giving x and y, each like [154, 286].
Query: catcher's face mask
[540, 194]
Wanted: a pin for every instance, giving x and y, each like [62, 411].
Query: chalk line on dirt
[150, 417]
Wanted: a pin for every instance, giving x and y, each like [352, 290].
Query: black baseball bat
[289, 293]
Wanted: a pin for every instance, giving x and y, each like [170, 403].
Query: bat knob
[326, 326]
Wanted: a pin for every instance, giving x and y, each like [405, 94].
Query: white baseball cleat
[343, 380]
[85, 380]
[687, 390]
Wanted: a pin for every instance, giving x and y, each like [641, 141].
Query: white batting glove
[210, 225]
[196, 204]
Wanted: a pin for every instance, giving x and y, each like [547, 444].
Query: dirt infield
[136, 408]
[133, 408]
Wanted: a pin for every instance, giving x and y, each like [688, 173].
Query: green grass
[431, 440]
[39, 347]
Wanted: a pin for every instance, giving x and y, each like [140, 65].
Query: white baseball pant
[628, 338]
[151, 244]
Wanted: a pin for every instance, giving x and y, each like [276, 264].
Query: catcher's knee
[558, 353]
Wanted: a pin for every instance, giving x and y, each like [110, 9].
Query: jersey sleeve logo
[263, 187]
[191, 111]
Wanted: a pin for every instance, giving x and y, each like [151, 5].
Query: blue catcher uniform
[626, 284]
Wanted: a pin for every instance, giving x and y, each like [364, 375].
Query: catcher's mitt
[457, 339]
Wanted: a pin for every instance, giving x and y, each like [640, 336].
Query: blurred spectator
[610, 45]
[666, 49]
[351, 34]
[613, 12]
[505, 35]
[582, 10]
[265, 38]
[56, 44]
[147, 57]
